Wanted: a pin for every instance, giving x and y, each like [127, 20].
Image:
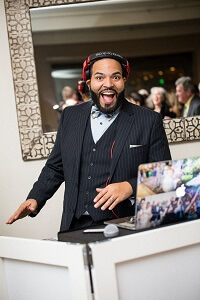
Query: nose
[108, 82]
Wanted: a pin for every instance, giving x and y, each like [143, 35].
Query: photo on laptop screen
[168, 192]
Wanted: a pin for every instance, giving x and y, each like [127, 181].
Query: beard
[108, 110]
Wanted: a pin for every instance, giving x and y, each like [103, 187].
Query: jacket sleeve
[158, 143]
[51, 176]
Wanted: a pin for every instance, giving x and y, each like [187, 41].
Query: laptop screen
[168, 192]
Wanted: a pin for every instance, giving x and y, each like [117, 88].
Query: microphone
[110, 230]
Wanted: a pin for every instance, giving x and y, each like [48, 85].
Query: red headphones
[100, 55]
[82, 86]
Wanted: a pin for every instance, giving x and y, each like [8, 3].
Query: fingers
[13, 218]
[105, 202]
[110, 203]
[101, 197]
[105, 199]
[112, 195]
[20, 213]
[24, 210]
[113, 204]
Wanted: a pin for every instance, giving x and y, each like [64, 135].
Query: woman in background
[160, 102]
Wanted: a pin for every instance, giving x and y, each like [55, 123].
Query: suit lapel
[126, 120]
[82, 117]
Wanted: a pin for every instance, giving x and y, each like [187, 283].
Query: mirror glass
[159, 38]
[63, 36]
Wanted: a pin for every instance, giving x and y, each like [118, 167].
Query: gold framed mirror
[34, 143]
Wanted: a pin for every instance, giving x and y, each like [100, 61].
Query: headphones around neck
[100, 55]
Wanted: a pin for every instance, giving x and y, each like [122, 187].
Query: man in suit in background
[98, 149]
[186, 94]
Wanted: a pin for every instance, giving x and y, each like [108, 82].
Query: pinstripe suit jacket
[140, 138]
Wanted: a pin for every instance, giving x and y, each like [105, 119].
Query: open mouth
[108, 96]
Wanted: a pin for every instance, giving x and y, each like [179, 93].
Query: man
[69, 97]
[185, 91]
[98, 148]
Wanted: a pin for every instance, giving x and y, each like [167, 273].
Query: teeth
[108, 94]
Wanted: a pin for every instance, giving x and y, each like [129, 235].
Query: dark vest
[95, 171]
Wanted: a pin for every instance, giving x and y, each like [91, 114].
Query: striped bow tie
[96, 113]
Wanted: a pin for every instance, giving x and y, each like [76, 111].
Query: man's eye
[99, 77]
[116, 77]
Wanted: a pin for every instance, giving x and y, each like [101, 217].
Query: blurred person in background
[145, 95]
[69, 96]
[136, 98]
[175, 105]
[187, 95]
[160, 102]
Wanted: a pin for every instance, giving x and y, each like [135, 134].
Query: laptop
[168, 192]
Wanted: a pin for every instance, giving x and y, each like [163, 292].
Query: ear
[88, 82]
[125, 79]
[189, 93]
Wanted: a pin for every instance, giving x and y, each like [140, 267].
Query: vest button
[87, 192]
[86, 205]
[89, 177]
[94, 149]
[91, 164]
[72, 211]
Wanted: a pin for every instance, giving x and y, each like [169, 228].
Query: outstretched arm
[47, 184]
[27, 207]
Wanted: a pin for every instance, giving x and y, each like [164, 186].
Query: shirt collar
[187, 104]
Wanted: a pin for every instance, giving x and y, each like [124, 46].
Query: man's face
[107, 84]
[182, 95]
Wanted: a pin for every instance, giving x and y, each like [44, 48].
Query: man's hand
[27, 207]
[112, 195]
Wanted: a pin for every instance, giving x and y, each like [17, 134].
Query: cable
[108, 180]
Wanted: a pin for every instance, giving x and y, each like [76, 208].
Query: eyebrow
[115, 73]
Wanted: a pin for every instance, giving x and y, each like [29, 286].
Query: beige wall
[17, 176]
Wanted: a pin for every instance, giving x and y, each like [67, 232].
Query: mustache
[108, 89]
[105, 110]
